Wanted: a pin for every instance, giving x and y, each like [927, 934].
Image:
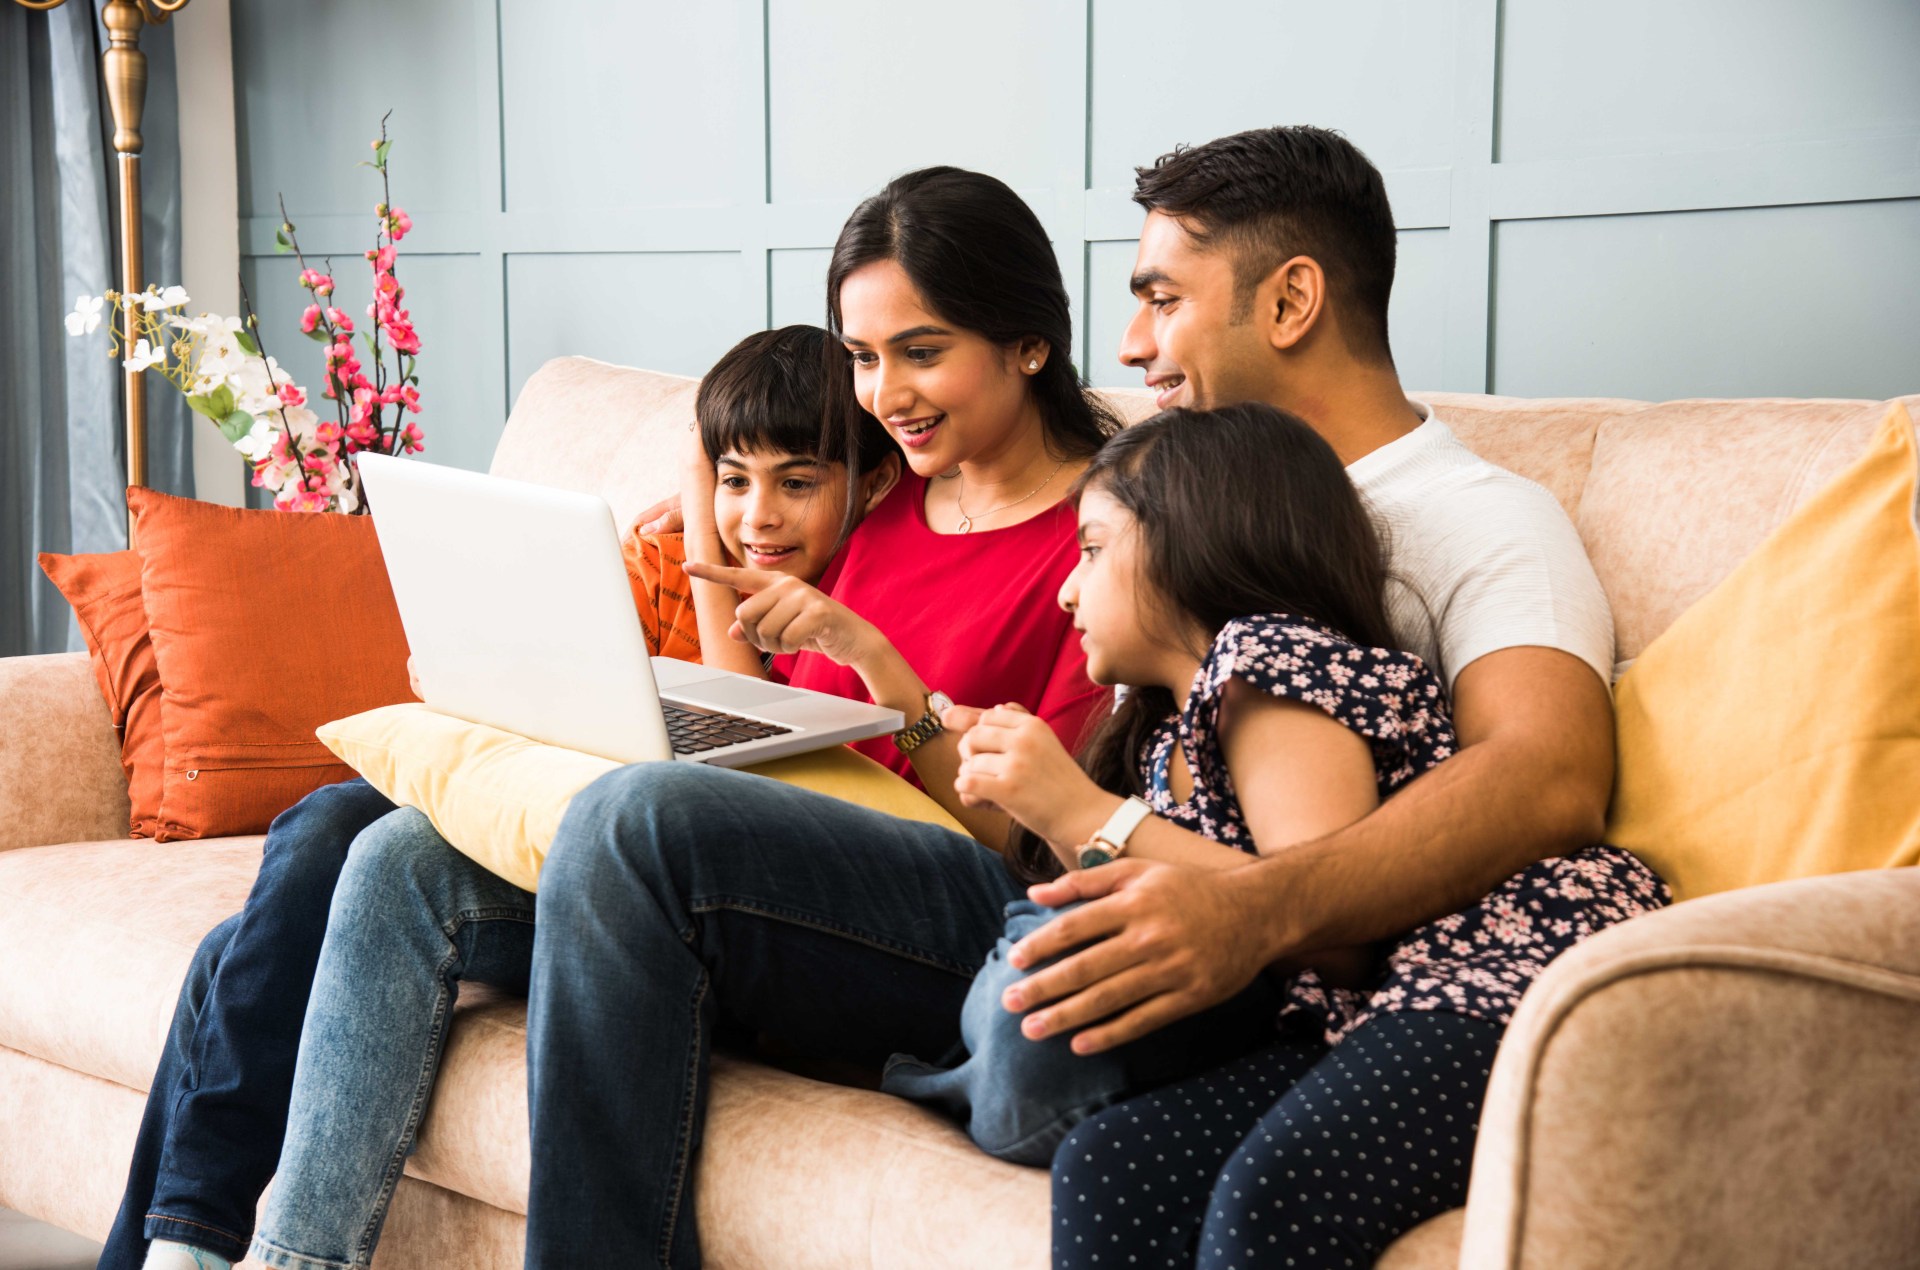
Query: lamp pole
[124, 68]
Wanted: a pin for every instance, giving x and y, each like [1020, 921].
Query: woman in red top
[945, 291]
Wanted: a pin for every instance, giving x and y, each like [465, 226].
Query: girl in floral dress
[1232, 580]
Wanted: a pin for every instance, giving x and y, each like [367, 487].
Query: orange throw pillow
[264, 626]
[104, 590]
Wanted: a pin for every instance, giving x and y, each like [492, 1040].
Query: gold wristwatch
[1109, 841]
[926, 727]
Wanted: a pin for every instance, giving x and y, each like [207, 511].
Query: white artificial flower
[145, 355]
[258, 443]
[301, 421]
[169, 298]
[85, 318]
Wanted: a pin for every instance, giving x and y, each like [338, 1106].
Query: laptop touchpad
[737, 693]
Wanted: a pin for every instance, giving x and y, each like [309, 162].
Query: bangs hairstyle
[1271, 194]
[788, 391]
[980, 260]
[1238, 511]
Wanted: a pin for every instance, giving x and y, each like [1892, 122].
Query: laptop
[519, 615]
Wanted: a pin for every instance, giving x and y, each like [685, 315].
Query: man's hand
[1013, 761]
[782, 614]
[1156, 943]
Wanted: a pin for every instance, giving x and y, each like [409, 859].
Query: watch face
[939, 702]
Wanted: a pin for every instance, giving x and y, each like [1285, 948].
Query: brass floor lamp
[125, 69]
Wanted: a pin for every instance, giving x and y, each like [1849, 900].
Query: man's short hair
[1270, 194]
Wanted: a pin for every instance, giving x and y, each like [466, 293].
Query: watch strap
[922, 730]
[1109, 841]
[926, 727]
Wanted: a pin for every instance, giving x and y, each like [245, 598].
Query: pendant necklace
[966, 522]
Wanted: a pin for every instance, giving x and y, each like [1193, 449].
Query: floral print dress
[1477, 961]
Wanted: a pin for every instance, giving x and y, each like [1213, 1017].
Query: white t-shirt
[1479, 558]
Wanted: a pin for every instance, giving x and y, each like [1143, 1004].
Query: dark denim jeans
[677, 897]
[214, 1120]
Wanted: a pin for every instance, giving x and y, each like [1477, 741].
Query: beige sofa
[1729, 1083]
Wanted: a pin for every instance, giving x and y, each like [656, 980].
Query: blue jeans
[1019, 1098]
[411, 919]
[213, 1122]
[678, 896]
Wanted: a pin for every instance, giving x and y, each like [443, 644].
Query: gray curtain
[62, 436]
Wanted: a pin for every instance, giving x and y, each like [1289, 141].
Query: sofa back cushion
[104, 590]
[1773, 731]
[1668, 496]
[264, 626]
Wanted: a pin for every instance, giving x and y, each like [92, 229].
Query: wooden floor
[26, 1244]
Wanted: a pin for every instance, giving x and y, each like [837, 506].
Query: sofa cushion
[499, 797]
[95, 938]
[265, 625]
[1773, 731]
[104, 590]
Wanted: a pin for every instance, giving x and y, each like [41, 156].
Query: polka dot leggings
[1300, 1155]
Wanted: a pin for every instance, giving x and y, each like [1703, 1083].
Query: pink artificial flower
[340, 320]
[290, 395]
[310, 319]
[411, 396]
[328, 433]
[317, 282]
[402, 225]
[383, 259]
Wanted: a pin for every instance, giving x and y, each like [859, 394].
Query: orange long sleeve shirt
[656, 569]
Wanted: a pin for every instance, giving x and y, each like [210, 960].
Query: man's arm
[1531, 781]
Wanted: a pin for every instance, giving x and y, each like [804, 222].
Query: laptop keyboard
[693, 730]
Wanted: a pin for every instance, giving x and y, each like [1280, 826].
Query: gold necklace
[966, 522]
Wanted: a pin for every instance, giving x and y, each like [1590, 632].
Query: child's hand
[782, 614]
[1012, 760]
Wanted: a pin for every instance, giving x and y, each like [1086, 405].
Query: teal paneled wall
[1651, 198]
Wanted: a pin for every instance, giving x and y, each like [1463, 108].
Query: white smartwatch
[1109, 842]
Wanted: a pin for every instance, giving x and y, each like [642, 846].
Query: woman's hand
[413, 680]
[782, 614]
[1012, 760]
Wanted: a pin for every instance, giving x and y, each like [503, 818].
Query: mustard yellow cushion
[1773, 731]
[498, 797]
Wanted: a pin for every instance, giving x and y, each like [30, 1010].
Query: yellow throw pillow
[1773, 731]
[498, 797]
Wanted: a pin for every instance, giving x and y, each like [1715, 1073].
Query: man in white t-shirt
[1264, 269]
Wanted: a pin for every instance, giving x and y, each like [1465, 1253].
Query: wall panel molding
[1440, 152]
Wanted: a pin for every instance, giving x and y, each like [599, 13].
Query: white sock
[164, 1254]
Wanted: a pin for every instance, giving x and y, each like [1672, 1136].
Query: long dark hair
[981, 260]
[1238, 511]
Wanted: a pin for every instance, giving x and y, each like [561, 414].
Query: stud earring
[1034, 364]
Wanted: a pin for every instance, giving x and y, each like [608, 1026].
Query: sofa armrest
[1727, 1083]
[60, 774]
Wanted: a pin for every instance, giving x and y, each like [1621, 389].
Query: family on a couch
[1276, 730]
